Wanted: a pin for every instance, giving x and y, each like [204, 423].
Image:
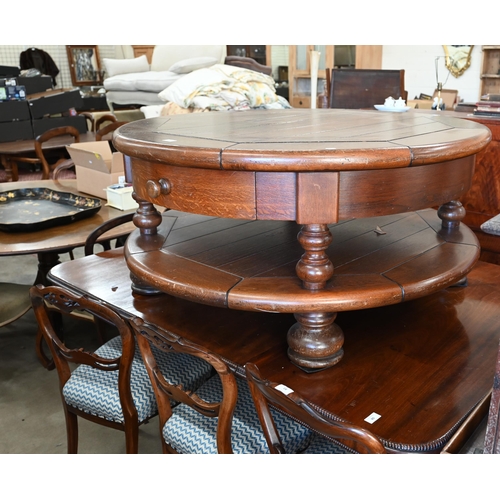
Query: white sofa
[134, 81]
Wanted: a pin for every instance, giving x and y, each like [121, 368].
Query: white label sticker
[372, 418]
[284, 389]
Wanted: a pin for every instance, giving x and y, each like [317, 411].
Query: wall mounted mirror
[458, 58]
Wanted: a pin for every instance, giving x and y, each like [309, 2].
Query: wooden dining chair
[266, 394]
[92, 239]
[89, 120]
[219, 417]
[106, 118]
[363, 88]
[40, 158]
[110, 386]
[110, 127]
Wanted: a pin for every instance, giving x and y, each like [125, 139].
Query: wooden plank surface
[301, 140]
[251, 264]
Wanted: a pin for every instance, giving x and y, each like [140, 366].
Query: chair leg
[71, 431]
[14, 171]
[132, 438]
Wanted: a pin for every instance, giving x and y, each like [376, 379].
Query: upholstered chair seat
[96, 392]
[188, 431]
[322, 446]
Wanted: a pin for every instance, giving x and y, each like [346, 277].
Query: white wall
[419, 63]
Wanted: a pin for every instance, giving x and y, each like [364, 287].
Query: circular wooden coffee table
[321, 169]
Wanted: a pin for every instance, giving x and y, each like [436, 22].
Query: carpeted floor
[28, 173]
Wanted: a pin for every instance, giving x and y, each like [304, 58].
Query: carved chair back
[164, 391]
[49, 300]
[40, 157]
[265, 393]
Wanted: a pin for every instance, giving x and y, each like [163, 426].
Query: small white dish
[392, 109]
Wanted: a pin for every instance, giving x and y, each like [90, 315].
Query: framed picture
[84, 65]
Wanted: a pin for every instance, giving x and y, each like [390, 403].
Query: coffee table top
[302, 139]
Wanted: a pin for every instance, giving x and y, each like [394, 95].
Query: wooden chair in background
[102, 132]
[39, 156]
[363, 88]
[109, 386]
[267, 393]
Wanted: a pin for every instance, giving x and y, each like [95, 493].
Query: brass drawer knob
[156, 188]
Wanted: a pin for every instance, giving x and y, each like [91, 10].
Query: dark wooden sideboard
[482, 201]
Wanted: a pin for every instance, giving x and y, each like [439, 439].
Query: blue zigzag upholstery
[96, 392]
[323, 446]
[220, 416]
[111, 385]
[266, 393]
[188, 431]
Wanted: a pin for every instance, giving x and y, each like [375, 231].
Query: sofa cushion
[150, 81]
[122, 66]
[164, 56]
[155, 81]
[191, 64]
[137, 97]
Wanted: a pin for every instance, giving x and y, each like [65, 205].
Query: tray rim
[64, 198]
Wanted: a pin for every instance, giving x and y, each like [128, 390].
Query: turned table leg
[146, 219]
[315, 341]
[451, 214]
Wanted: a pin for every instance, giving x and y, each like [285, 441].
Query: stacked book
[489, 105]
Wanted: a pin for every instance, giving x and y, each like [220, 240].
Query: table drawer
[218, 193]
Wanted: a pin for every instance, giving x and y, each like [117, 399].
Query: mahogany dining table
[418, 374]
[310, 212]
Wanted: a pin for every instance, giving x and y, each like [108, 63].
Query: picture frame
[458, 58]
[84, 65]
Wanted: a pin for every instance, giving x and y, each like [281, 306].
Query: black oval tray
[24, 210]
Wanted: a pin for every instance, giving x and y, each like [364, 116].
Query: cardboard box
[44, 124]
[14, 111]
[96, 166]
[53, 102]
[420, 103]
[449, 97]
[121, 197]
[15, 131]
